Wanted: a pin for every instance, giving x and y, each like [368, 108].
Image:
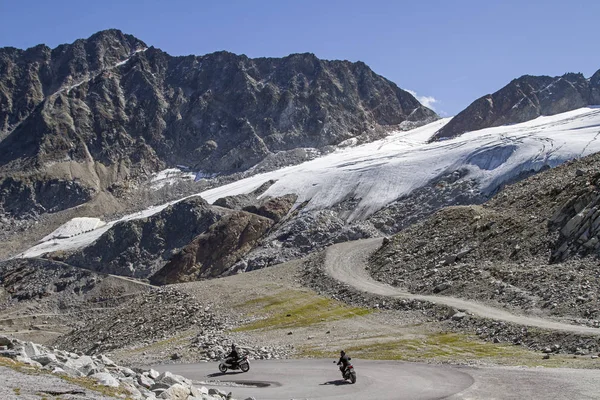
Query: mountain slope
[524, 99]
[104, 111]
[381, 187]
[534, 246]
[27, 77]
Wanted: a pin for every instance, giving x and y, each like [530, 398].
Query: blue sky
[451, 51]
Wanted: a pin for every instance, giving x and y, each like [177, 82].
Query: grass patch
[91, 384]
[452, 348]
[84, 382]
[17, 391]
[295, 308]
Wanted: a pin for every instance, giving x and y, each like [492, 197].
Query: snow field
[380, 172]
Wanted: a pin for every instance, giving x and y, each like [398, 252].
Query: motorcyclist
[232, 357]
[344, 361]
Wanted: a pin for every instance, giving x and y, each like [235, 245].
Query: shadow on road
[337, 382]
[224, 374]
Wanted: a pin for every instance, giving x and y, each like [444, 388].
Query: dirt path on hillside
[346, 262]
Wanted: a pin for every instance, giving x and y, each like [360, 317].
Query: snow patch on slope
[75, 227]
[170, 176]
[90, 77]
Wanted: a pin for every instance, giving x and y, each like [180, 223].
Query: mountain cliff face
[140, 247]
[523, 99]
[106, 110]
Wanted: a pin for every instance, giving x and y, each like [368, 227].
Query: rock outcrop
[22, 197]
[578, 222]
[106, 110]
[138, 248]
[532, 246]
[241, 201]
[137, 383]
[27, 279]
[523, 99]
[212, 253]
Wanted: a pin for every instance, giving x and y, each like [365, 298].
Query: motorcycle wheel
[245, 367]
[353, 377]
[222, 368]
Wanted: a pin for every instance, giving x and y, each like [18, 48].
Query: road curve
[346, 263]
[321, 379]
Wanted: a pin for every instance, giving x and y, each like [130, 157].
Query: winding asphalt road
[346, 263]
[392, 380]
[321, 379]
[378, 380]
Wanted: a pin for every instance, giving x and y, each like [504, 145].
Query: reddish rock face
[212, 253]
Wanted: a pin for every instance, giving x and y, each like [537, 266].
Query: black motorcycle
[349, 373]
[242, 364]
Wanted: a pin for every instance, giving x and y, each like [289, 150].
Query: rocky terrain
[84, 128]
[59, 284]
[448, 318]
[188, 240]
[100, 371]
[303, 232]
[523, 99]
[96, 115]
[140, 247]
[534, 247]
[83, 311]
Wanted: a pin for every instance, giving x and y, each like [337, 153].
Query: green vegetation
[91, 384]
[452, 348]
[296, 308]
[17, 391]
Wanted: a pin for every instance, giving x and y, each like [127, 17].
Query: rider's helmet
[233, 346]
[342, 353]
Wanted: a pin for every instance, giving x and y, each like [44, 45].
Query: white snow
[170, 176]
[89, 78]
[75, 227]
[378, 173]
[128, 58]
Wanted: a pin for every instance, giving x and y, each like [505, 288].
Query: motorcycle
[242, 364]
[349, 373]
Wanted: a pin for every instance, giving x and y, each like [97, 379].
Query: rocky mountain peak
[27, 77]
[119, 111]
[595, 88]
[523, 99]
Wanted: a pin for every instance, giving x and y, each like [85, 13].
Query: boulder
[107, 361]
[45, 359]
[68, 369]
[145, 381]
[176, 392]
[127, 371]
[153, 374]
[171, 379]
[32, 349]
[216, 392]
[459, 316]
[106, 379]
[28, 361]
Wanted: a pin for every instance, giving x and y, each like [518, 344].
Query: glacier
[378, 173]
